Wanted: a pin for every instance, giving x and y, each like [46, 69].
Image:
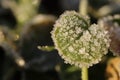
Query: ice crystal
[78, 42]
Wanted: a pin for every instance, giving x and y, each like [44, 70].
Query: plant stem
[83, 6]
[46, 48]
[84, 73]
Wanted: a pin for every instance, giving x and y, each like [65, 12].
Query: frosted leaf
[112, 25]
[70, 48]
[84, 45]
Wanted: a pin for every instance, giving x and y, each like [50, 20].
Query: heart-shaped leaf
[77, 41]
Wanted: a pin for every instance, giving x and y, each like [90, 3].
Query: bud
[78, 42]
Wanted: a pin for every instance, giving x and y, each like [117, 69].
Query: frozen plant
[78, 42]
[112, 25]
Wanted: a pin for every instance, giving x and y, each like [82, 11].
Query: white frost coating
[71, 49]
[78, 42]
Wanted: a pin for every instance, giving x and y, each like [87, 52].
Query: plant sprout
[78, 42]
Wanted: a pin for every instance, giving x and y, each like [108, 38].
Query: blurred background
[27, 50]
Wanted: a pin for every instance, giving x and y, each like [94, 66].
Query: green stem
[46, 48]
[83, 6]
[84, 73]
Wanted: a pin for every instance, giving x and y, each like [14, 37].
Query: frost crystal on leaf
[78, 42]
[112, 25]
